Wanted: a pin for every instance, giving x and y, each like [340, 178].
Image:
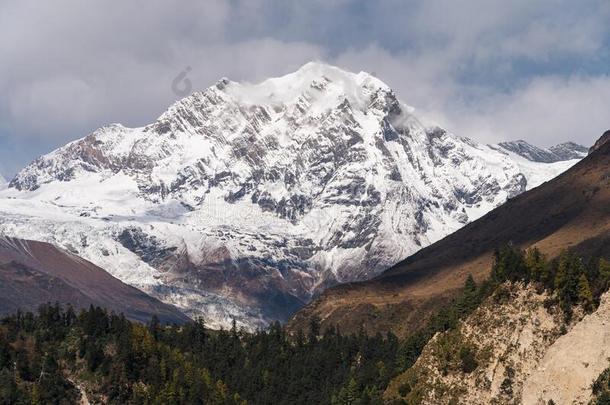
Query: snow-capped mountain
[243, 200]
[561, 152]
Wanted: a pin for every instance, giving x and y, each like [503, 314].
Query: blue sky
[491, 70]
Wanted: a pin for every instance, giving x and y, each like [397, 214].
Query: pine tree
[509, 264]
[348, 395]
[300, 338]
[604, 272]
[5, 353]
[470, 287]
[353, 394]
[498, 270]
[584, 292]
[234, 334]
[154, 326]
[9, 392]
[536, 265]
[36, 395]
[561, 276]
[469, 298]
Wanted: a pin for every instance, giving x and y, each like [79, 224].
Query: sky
[488, 69]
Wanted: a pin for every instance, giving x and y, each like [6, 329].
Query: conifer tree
[36, 395]
[536, 264]
[469, 298]
[584, 292]
[352, 392]
[604, 272]
[498, 270]
[154, 326]
[5, 353]
[314, 330]
[561, 276]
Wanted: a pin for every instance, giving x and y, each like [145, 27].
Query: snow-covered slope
[244, 200]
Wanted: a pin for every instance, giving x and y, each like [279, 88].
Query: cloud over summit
[492, 70]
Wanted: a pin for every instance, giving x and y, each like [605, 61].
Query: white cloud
[545, 110]
[548, 109]
[70, 66]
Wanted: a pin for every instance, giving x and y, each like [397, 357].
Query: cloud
[545, 110]
[548, 109]
[488, 69]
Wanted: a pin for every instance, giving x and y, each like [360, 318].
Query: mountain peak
[222, 83]
[243, 200]
[554, 210]
[313, 83]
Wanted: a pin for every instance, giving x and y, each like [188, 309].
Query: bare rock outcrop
[523, 351]
[508, 334]
[573, 362]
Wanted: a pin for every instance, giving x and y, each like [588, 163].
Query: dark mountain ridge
[34, 273]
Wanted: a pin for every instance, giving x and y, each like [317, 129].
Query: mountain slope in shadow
[33, 273]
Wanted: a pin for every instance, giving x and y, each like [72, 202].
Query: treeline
[445, 319]
[571, 279]
[51, 357]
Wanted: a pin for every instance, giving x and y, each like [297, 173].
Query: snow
[282, 181]
[283, 90]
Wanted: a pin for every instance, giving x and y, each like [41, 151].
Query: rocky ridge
[557, 153]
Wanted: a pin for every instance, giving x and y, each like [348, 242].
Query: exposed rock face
[574, 361]
[569, 150]
[243, 201]
[509, 334]
[523, 355]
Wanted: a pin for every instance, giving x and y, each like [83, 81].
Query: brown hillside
[34, 273]
[570, 211]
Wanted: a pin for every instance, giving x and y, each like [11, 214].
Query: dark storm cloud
[491, 70]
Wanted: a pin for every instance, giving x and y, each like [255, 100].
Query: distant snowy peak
[569, 150]
[558, 153]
